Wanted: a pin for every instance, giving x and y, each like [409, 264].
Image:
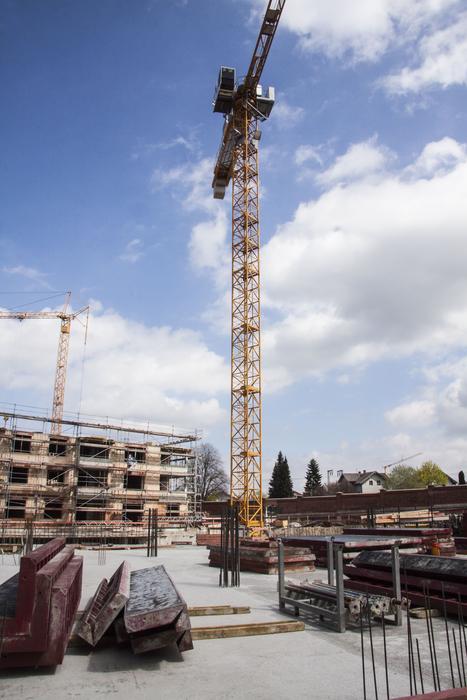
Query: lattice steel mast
[62, 355]
[245, 106]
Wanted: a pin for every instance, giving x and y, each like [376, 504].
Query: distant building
[362, 482]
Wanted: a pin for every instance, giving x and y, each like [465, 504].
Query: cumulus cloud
[306, 153]
[441, 58]
[362, 30]
[372, 270]
[285, 115]
[191, 185]
[132, 370]
[29, 273]
[361, 159]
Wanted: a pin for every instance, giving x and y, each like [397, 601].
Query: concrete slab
[316, 663]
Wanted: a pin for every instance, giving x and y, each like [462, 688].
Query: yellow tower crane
[62, 355]
[245, 105]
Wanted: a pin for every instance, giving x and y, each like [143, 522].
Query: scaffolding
[101, 473]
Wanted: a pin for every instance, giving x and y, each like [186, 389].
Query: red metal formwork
[108, 600]
[64, 601]
[27, 609]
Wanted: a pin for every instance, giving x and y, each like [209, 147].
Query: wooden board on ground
[422, 613]
[202, 610]
[255, 628]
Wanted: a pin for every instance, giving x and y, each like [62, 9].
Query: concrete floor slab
[316, 663]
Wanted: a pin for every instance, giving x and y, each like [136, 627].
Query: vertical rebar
[433, 639]
[363, 654]
[447, 635]
[385, 655]
[429, 638]
[372, 649]
[420, 666]
[460, 624]
[457, 656]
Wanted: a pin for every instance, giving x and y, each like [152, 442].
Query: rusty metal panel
[154, 601]
[108, 600]
[65, 597]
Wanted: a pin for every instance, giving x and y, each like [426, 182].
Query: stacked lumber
[261, 557]
[39, 605]
[144, 609]
[421, 517]
[352, 544]
[431, 537]
[420, 574]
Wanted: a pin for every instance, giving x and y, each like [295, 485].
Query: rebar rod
[429, 638]
[420, 666]
[385, 655]
[433, 639]
[457, 656]
[448, 643]
[362, 647]
[372, 653]
[460, 624]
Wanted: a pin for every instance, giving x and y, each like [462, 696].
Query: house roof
[360, 477]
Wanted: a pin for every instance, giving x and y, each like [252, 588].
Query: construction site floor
[316, 663]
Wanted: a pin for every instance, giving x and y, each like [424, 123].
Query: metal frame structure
[62, 354]
[237, 160]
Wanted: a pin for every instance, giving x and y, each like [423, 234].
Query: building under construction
[101, 474]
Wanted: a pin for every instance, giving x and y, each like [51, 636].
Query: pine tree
[461, 478]
[313, 478]
[280, 485]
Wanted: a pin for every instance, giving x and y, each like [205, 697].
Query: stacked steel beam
[144, 608]
[431, 537]
[38, 606]
[261, 557]
[352, 544]
[443, 579]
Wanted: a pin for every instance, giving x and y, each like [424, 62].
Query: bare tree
[212, 479]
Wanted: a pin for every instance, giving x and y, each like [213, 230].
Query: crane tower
[62, 355]
[245, 105]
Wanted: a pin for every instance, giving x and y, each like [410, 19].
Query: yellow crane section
[245, 105]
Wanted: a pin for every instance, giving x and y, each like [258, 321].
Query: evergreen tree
[313, 478]
[280, 485]
[461, 478]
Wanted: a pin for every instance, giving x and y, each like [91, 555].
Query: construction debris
[39, 606]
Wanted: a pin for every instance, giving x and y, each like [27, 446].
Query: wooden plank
[202, 610]
[255, 628]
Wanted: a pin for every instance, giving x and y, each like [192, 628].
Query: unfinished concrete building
[100, 473]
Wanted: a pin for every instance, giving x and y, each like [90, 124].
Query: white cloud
[306, 153]
[442, 61]
[30, 273]
[191, 185]
[286, 116]
[438, 156]
[133, 251]
[362, 30]
[132, 370]
[412, 414]
[365, 158]
[370, 271]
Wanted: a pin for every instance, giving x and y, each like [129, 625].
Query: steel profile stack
[443, 579]
[352, 544]
[261, 557]
[430, 537]
[39, 605]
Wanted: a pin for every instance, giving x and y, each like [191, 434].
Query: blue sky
[108, 141]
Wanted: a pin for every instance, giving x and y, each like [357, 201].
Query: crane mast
[62, 355]
[245, 106]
